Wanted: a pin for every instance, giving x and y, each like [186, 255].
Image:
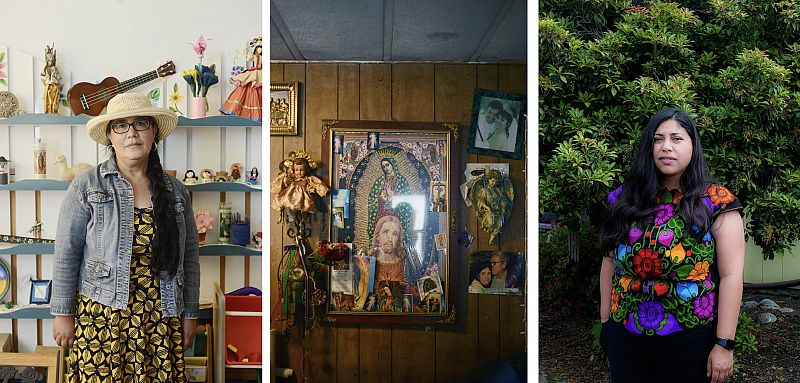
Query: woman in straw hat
[126, 272]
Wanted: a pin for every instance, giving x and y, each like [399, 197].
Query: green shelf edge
[43, 312]
[50, 119]
[207, 250]
[44, 184]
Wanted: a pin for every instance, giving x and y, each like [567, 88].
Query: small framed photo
[432, 303]
[283, 108]
[498, 124]
[429, 284]
[466, 239]
[40, 291]
[337, 220]
[408, 303]
[438, 201]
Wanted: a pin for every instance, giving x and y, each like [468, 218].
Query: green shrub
[608, 65]
[568, 288]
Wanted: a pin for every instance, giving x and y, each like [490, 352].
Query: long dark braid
[165, 242]
[165, 245]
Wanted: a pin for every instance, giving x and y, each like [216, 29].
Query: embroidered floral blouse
[665, 283]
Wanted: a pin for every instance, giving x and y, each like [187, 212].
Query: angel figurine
[294, 188]
[492, 198]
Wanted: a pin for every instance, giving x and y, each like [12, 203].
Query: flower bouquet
[201, 77]
[203, 223]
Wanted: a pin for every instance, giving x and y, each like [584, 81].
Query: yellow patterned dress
[135, 345]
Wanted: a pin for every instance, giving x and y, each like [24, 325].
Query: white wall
[125, 38]
[96, 39]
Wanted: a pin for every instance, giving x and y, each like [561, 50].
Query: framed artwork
[5, 279]
[395, 183]
[498, 124]
[283, 108]
[40, 291]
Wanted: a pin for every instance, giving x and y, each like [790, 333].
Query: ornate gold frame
[284, 122]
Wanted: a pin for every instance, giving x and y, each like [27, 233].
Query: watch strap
[729, 344]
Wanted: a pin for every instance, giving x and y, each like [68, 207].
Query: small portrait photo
[337, 218]
[466, 239]
[441, 148]
[373, 140]
[338, 141]
[348, 301]
[498, 124]
[429, 284]
[432, 303]
[496, 272]
[408, 303]
[441, 241]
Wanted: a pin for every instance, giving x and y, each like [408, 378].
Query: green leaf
[175, 88]
[154, 94]
[2, 56]
[3, 81]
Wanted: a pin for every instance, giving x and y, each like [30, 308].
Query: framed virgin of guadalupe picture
[394, 187]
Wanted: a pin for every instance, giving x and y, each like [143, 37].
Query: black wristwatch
[729, 344]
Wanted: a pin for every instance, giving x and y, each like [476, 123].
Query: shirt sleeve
[720, 200]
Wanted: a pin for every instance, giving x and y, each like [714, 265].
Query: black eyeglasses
[495, 262]
[124, 127]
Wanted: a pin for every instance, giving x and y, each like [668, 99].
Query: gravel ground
[565, 346]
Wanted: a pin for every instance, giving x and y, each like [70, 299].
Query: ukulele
[90, 99]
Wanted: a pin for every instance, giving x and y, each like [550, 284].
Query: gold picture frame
[283, 108]
[399, 177]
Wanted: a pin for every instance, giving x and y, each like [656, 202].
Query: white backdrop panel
[22, 151]
[21, 79]
[59, 141]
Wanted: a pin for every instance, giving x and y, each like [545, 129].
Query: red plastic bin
[243, 329]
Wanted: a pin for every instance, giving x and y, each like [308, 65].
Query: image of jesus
[393, 264]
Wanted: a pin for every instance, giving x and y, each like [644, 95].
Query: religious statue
[52, 89]
[492, 198]
[294, 188]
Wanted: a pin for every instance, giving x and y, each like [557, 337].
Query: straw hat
[126, 105]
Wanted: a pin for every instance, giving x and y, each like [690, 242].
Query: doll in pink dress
[245, 100]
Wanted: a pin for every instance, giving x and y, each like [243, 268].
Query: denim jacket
[94, 241]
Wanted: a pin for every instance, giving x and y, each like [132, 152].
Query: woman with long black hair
[126, 278]
[671, 277]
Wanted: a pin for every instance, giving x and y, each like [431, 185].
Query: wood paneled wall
[487, 326]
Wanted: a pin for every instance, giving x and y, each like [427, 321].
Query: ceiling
[399, 30]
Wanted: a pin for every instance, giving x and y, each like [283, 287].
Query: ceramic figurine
[207, 175]
[4, 169]
[236, 172]
[69, 174]
[52, 89]
[245, 100]
[492, 198]
[189, 178]
[295, 189]
[253, 178]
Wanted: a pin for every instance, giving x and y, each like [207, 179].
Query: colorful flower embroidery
[651, 314]
[664, 212]
[700, 271]
[720, 195]
[663, 282]
[704, 306]
[647, 264]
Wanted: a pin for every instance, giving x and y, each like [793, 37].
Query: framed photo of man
[498, 124]
[389, 170]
